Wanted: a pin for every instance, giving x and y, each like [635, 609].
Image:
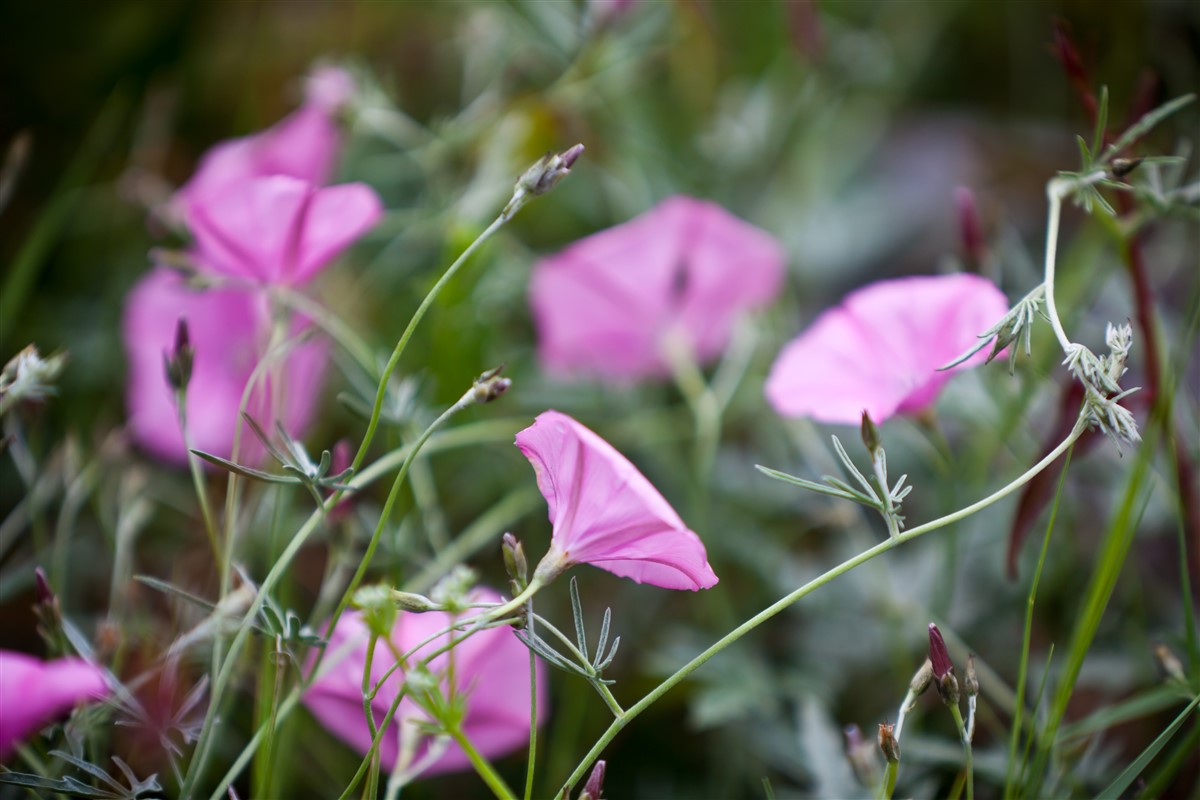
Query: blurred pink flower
[229, 330]
[605, 513]
[279, 229]
[603, 305]
[304, 145]
[880, 349]
[491, 669]
[34, 693]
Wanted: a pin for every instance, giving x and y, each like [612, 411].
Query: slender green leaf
[1123, 781]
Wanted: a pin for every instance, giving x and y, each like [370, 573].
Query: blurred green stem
[790, 599]
[968, 762]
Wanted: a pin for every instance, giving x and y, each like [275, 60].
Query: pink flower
[229, 330]
[603, 305]
[491, 669]
[279, 229]
[303, 145]
[880, 349]
[605, 513]
[34, 693]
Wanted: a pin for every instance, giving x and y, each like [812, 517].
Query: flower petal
[603, 305]
[880, 349]
[605, 512]
[34, 693]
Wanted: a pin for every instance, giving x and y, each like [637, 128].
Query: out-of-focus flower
[605, 513]
[35, 692]
[687, 267]
[279, 229]
[491, 674]
[880, 349]
[304, 145]
[229, 330]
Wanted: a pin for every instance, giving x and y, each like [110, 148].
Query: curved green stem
[790, 599]
[482, 765]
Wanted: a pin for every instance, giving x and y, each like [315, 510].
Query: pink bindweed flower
[605, 513]
[491, 672]
[34, 693]
[279, 230]
[304, 145]
[229, 330]
[880, 349]
[687, 268]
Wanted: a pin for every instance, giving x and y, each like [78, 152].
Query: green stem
[790, 599]
[533, 718]
[968, 761]
[889, 779]
[482, 765]
[333, 325]
[1056, 190]
[210, 526]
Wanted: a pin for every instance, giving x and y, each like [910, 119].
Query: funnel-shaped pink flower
[34, 693]
[303, 145]
[687, 267]
[229, 330]
[491, 668]
[880, 349]
[279, 230]
[606, 513]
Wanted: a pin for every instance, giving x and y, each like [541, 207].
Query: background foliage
[842, 128]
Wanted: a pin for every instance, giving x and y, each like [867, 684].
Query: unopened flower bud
[410, 601]
[861, 755]
[595, 783]
[870, 434]
[178, 360]
[970, 228]
[490, 385]
[943, 667]
[41, 584]
[921, 680]
[543, 176]
[971, 682]
[939, 655]
[888, 743]
[1170, 663]
[515, 563]
[1120, 167]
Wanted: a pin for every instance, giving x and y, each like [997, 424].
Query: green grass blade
[1117, 787]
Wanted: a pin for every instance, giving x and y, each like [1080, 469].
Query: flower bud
[1120, 167]
[888, 744]
[178, 360]
[943, 667]
[1170, 663]
[515, 563]
[543, 176]
[870, 434]
[595, 783]
[970, 229]
[921, 680]
[490, 385]
[939, 656]
[41, 584]
[410, 601]
[861, 755]
[971, 682]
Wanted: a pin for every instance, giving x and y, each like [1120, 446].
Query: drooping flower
[34, 693]
[880, 350]
[304, 145]
[687, 267]
[279, 230]
[491, 673]
[229, 331]
[606, 513]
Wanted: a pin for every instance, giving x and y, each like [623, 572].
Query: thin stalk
[968, 760]
[787, 601]
[533, 714]
[210, 525]
[1056, 190]
[482, 765]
